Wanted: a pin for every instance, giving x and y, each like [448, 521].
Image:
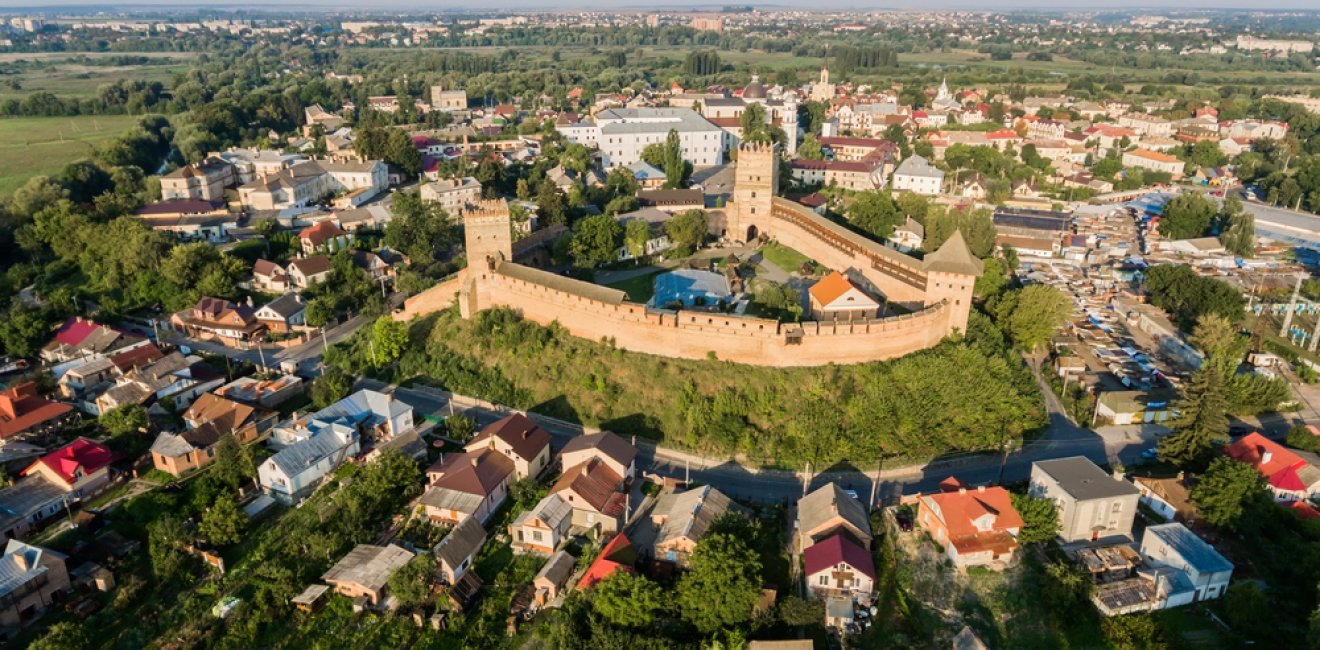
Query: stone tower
[488, 234]
[755, 184]
[951, 273]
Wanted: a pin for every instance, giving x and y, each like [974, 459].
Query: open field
[79, 80]
[31, 146]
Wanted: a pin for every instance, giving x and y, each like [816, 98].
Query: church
[781, 110]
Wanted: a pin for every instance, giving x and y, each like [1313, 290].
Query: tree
[1206, 153]
[796, 611]
[1301, 437]
[810, 148]
[1187, 216]
[1177, 289]
[1202, 420]
[1040, 521]
[123, 420]
[419, 229]
[411, 584]
[723, 585]
[753, 124]
[23, 331]
[687, 230]
[1238, 233]
[876, 213]
[1248, 609]
[1223, 492]
[550, 205]
[1033, 315]
[1134, 632]
[231, 467]
[320, 311]
[389, 338]
[636, 232]
[166, 537]
[223, 524]
[626, 600]
[595, 241]
[65, 635]
[333, 385]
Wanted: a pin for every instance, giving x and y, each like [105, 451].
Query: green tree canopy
[389, 338]
[411, 584]
[723, 585]
[875, 213]
[1040, 521]
[626, 600]
[123, 420]
[636, 232]
[1223, 492]
[1187, 216]
[1030, 316]
[595, 241]
[1202, 420]
[687, 230]
[333, 385]
[224, 523]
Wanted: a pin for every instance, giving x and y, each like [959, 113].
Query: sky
[516, 5]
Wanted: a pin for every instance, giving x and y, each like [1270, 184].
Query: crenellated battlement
[485, 209]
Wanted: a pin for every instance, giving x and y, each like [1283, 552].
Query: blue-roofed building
[1175, 546]
[647, 175]
[690, 288]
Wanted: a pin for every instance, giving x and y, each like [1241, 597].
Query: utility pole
[806, 479]
[1003, 460]
[1292, 306]
[875, 485]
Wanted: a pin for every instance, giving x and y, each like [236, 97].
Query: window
[824, 580]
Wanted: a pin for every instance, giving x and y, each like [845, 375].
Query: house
[1154, 161]
[29, 503]
[190, 219]
[174, 376]
[916, 174]
[467, 485]
[1133, 407]
[520, 440]
[839, 566]
[266, 393]
[541, 529]
[1196, 247]
[657, 240]
[1290, 474]
[549, 581]
[1092, 505]
[672, 201]
[596, 495]
[79, 338]
[608, 447]
[1170, 498]
[216, 318]
[32, 578]
[453, 194]
[269, 276]
[80, 468]
[909, 236]
[283, 314]
[323, 236]
[378, 268]
[836, 298]
[1175, 546]
[646, 175]
[682, 519]
[618, 555]
[295, 471]
[976, 527]
[975, 187]
[828, 511]
[24, 412]
[201, 181]
[454, 553]
[207, 421]
[365, 572]
[317, 116]
[307, 271]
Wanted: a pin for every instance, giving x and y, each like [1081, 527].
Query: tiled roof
[837, 549]
[1282, 467]
[831, 287]
[321, 232]
[474, 472]
[618, 555]
[84, 454]
[827, 502]
[519, 432]
[606, 443]
[596, 483]
[21, 408]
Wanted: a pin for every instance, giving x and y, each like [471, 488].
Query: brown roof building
[520, 440]
[595, 492]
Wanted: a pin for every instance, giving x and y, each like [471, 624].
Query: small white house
[1175, 546]
[295, 471]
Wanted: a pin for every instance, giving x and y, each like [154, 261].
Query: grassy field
[787, 259]
[639, 288]
[32, 146]
[74, 80]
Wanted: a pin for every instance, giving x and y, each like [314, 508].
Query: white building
[622, 133]
[1173, 545]
[1092, 505]
[295, 471]
[453, 194]
[1154, 161]
[916, 174]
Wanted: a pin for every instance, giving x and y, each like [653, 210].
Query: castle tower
[755, 184]
[488, 234]
[951, 273]
[825, 72]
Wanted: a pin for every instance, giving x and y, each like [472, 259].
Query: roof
[596, 483]
[1153, 155]
[321, 232]
[74, 330]
[368, 565]
[670, 197]
[526, 438]
[314, 265]
[690, 514]
[296, 458]
[915, 165]
[618, 555]
[461, 543]
[1282, 467]
[1083, 479]
[137, 357]
[22, 563]
[953, 256]
[827, 502]
[832, 287]
[557, 569]
[1171, 490]
[605, 443]
[176, 206]
[552, 510]
[474, 472]
[82, 455]
[561, 283]
[838, 549]
[443, 498]
[1192, 549]
[641, 170]
[286, 305]
[960, 509]
[21, 408]
[310, 595]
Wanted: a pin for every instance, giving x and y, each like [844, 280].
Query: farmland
[32, 146]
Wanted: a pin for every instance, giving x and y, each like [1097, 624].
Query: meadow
[33, 146]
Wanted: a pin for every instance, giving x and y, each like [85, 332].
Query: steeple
[825, 71]
[944, 89]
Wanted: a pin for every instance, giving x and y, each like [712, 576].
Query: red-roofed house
[24, 412]
[1290, 474]
[838, 566]
[595, 492]
[519, 440]
[81, 467]
[976, 527]
[836, 298]
[323, 236]
[618, 555]
[1303, 510]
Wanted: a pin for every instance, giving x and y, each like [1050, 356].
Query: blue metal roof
[1192, 549]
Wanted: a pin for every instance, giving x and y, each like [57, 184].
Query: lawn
[639, 288]
[33, 146]
[787, 259]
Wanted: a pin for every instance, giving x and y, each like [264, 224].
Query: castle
[937, 290]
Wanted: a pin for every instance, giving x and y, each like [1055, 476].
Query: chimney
[1266, 456]
[962, 490]
[1180, 476]
[476, 460]
[980, 488]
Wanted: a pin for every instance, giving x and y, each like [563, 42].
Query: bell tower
[756, 182]
[488, 234]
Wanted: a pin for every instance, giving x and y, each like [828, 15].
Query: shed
[310, 598]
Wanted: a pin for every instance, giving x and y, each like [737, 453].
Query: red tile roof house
[81, 467]
[618, 555]
[596, 494]
[471, 484]
[518, 439]
[23, 412]
[324, 236]
[976, 527]
[838, 566]
[1290, 474]
[219, 319]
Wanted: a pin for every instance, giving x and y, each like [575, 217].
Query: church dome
[754, 90]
